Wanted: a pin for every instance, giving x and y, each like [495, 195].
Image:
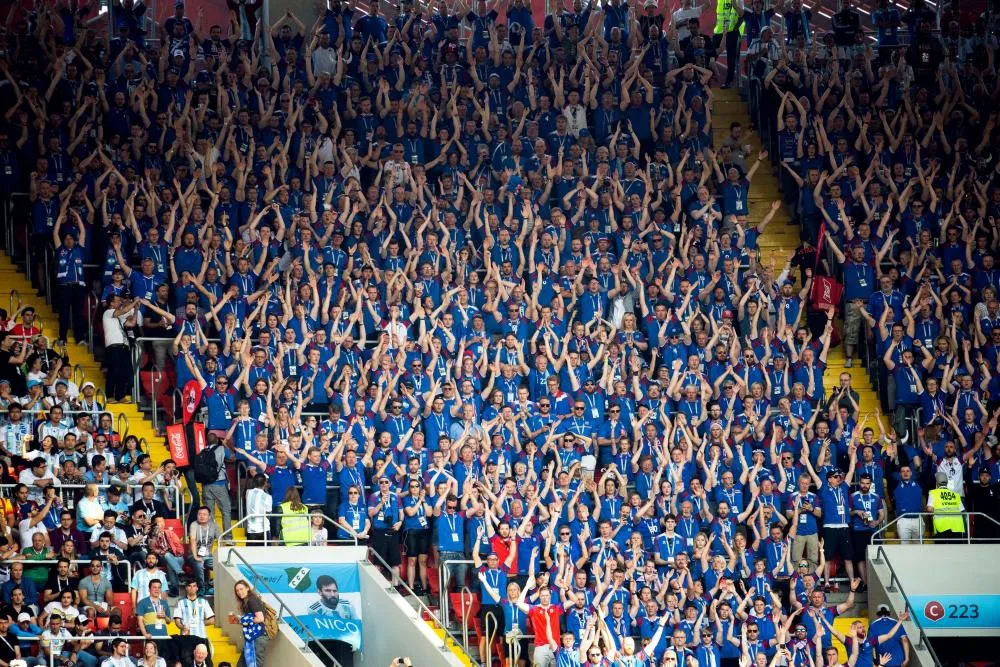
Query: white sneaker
[849, 363]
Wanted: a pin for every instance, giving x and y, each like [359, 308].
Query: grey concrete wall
[402, 632]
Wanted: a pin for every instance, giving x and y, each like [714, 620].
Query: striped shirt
[192, 614]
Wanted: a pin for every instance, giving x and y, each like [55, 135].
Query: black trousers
[119, 363]
[185, 645]
[71, 300]
[732, 39]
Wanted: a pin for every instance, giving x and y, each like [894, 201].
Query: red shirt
[539, 616]
[23, 332]
[502, 547]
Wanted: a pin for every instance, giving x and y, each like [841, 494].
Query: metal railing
[879, 536]
[68, 494]
[427, 611]
[227, 539]
[285, 613]
[72, 639]
[126, 563]
[895, 585]
[443, 584]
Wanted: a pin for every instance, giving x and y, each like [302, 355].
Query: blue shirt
[356, 515]
[450, 529]
[835, 505]
[908, 497]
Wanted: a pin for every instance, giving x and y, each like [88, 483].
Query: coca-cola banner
[177, 444]
[190, 398]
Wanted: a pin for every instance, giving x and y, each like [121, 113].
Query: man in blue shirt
[859, 283]
[70, 296]
[897, 647]
[908, 498]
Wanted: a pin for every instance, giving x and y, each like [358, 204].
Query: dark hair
[324, 580]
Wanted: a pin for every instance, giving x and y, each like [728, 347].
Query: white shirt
[53, 643]
[324, 60]
[193, 614]
[258, 503]
[953, 468]
[142, 578]
[114, 327]
[576, 118]
[29, 479]
[681, 18]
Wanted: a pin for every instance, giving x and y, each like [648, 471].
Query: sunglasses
[543, 405]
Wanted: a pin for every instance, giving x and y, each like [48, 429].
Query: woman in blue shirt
[352, 517]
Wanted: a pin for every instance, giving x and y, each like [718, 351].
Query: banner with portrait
[325, 597]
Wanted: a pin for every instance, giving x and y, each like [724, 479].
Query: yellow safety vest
[945, 502]
[295, 525]
[726, 16]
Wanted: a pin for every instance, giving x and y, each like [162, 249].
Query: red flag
[177, 444]
[199, 437]
[190, 398]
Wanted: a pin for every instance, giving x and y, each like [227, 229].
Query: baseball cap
[941, 477]
[23, 616]
[649, 3]
[882, 607]
[833, 472]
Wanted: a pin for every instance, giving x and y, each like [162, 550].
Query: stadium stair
[778, 243]
[14, 285]
[781, 237]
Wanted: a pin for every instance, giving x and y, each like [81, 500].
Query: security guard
[295, 529]
[946, 505]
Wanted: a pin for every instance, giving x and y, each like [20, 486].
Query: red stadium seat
[123, 601]
[465, 607]
[176, 527]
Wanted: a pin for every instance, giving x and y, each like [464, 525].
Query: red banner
[177, 444]
[190, 398]
[199, 437]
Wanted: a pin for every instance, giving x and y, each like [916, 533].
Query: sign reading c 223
[967, 612]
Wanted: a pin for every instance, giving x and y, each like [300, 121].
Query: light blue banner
[957, 612]
[325, 597]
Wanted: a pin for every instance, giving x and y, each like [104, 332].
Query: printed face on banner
[326, 597]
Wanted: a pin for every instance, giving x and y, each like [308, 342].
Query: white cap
[88, 384]
[23, 616]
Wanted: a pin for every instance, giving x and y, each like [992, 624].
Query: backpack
[270, 621]
[206, 467]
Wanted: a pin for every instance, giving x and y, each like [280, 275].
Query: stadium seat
[465, 606]
[123, 602]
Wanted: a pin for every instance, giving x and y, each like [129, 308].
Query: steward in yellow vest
[295, 530]
[947, 507]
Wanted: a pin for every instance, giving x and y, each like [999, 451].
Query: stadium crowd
[487, 291]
